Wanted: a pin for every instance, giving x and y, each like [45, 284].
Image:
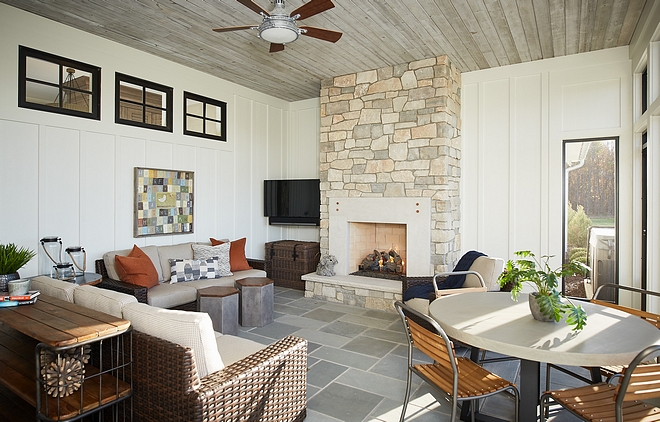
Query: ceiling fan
[279, 28]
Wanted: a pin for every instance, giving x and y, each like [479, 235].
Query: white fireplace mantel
[415, 213]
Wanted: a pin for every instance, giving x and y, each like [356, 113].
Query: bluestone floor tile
[324, 372]
[345, 329]
[345, 403]
[323, 315]
[369, 346]
[345, 357]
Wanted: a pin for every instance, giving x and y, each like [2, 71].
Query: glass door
[590, 213]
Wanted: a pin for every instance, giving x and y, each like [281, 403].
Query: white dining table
[493, 321]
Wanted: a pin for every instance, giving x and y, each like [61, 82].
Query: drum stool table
[256, 301]
[221, 303]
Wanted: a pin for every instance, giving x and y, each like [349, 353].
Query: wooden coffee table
[52, 328]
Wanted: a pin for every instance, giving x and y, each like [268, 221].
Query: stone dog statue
[326, 266]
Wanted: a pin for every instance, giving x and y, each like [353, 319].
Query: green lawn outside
[603, 221]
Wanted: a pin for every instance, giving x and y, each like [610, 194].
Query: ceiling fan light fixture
[278, 31]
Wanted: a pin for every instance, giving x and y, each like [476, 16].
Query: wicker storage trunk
[288, 260]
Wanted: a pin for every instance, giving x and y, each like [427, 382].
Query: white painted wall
[514, 121]
[73, 177]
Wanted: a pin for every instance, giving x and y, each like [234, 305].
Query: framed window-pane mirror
[59, 85]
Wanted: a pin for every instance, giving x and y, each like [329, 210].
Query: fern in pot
[12, 258]
[546, 302]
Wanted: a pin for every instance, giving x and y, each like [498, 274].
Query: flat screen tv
[292, 202]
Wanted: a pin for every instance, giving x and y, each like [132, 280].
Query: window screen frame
[205, 101]
[144, 84]
[63, 62]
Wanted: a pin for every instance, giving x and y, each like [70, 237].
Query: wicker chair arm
[140, 292]
[268, 385]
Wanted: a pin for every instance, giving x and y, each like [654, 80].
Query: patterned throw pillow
[193, 269]
[220, 252]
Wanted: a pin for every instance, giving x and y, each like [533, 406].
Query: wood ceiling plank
[603, 13]
[503, 29]
[528, 19]
[634, 12]
[572, 13]
[587, 18]
[512, 15]
[544, 28]
[462, 56]
[490, 33]
[477, 34]
[558, 24]
[448, 10]
[615, 23]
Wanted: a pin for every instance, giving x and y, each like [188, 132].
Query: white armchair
[481, 277]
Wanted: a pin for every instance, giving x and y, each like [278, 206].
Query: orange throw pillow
[237, 259]
[137, 268]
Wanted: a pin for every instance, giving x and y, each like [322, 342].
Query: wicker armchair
[269, 385]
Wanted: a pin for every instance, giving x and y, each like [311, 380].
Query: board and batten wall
[515, 119]
[73, 177]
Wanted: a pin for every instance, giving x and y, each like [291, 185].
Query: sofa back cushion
[103, 300]
[150, 251]
[59, 289]
[165, 253]
[189, 329]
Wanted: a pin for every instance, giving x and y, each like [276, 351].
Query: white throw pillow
[221, 252]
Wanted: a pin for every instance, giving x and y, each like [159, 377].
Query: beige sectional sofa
[184, 371]
[165, 295]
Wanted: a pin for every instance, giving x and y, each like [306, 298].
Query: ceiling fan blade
[233, 28]
[274, 48]
[312, 8]
[253, 6]
[322, 34]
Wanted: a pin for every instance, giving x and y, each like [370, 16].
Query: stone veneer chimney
[395, 132]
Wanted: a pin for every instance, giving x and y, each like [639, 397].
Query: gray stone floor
[357, 364]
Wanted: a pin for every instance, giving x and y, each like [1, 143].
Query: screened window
[645, 94]
[204, 117]
[590, 213]
[58, 85]
[143, 103]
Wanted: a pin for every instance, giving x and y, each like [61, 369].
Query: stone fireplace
[390, 153]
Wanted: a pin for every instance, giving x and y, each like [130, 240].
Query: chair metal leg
[406, 398]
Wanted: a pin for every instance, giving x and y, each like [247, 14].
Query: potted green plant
[546, 303]
[12, 258]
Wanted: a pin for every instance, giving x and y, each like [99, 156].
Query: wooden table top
[492, 321]
[58, 323]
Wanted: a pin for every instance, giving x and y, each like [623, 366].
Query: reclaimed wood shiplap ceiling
[475, 34]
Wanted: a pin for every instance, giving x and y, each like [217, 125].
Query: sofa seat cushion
[210, 282]
[103, 300]
[234, 348]
[167, 252]
[150, 251]
[189, 329]
[59, 289]
[167, 295]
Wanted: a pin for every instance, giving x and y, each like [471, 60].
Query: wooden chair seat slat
[459, 378]
[599, 402]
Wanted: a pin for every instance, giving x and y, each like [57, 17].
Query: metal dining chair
[457, 378]
[614, 402]
[608, 371]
